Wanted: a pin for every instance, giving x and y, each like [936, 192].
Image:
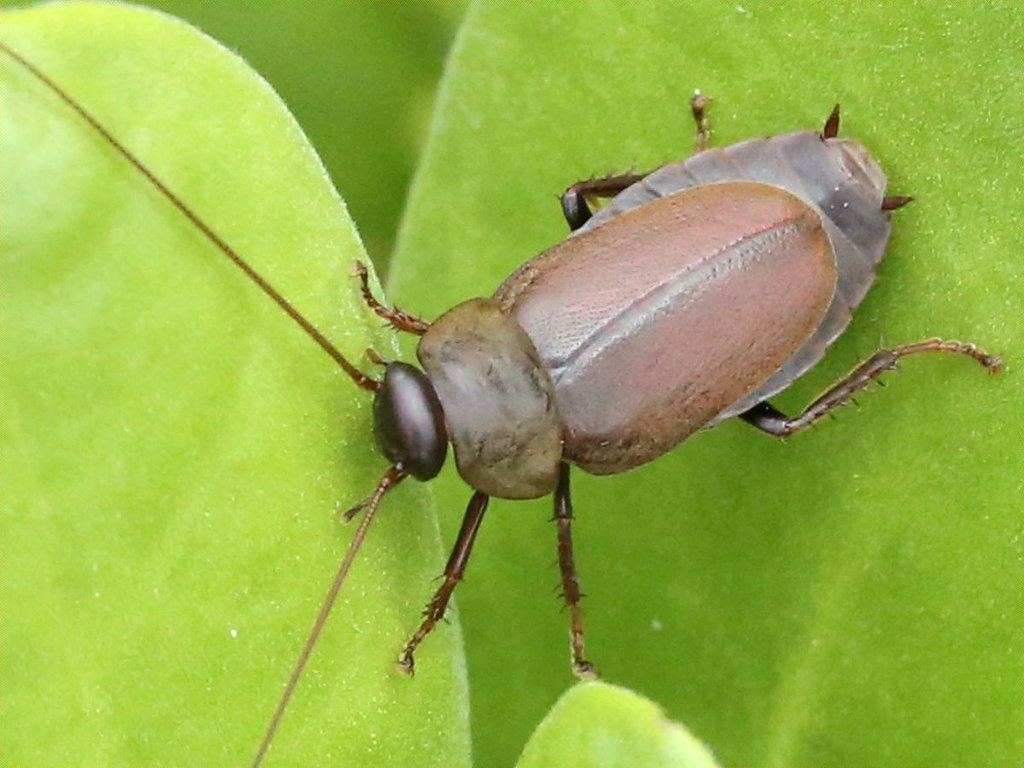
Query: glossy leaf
[596, 725]
[175, 449]
[846, 597]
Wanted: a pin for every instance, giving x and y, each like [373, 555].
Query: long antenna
[357, 376]
[391, 478]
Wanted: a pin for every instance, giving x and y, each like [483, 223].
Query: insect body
[701, 290]
[698, 292]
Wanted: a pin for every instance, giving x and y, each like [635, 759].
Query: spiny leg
[831, 128]
[894, 202]
[453, 573]
[570, 584]
[766, 418]
[399, 320]
[575, 200]
[698, 105]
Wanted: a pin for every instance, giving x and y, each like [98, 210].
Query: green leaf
[847, 597]
[175, 449]
[596, 725]
[359, 77]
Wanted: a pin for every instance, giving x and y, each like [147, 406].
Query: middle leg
[576, 200]
[570, 583]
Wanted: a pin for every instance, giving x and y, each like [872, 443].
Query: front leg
[399, 320]
[453, 573]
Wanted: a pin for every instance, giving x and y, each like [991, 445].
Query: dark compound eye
[409, 423]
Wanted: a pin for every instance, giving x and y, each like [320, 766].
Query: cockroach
[700, 291]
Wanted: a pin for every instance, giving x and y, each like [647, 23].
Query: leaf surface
[849, 596]
[175, 448]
